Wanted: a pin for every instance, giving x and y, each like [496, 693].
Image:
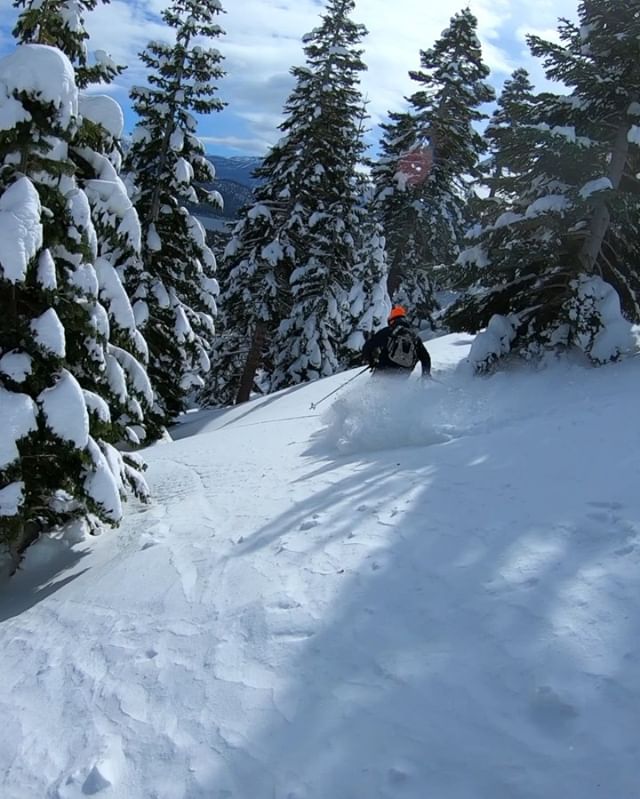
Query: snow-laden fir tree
[294, 266]
[323, 130]
[536, 271]
[402, 167]
[175, 296]
[446, 111]
[514, 143]
[608, 38]
[255, 282]
[619, 254]
[515, 108]
[514, 262]
[96, 154]
[423, 212]
[502, 169]
[368, 300]
[56, 460]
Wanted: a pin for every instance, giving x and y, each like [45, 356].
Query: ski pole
[314, 405]
[446, 385]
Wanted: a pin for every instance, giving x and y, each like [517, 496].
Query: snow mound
[11, 498]
[20, 229]
[65, 411]
[44, 72]
[18, 414]
[104, 111]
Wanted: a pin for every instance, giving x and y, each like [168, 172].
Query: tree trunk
[601, 217]
[394, 278]
[166, 139]
[252, 363]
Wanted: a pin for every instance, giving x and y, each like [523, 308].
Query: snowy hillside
[424, 592]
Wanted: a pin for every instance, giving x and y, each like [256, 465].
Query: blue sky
[263, 40]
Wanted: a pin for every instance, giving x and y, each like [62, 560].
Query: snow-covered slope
[417, 591]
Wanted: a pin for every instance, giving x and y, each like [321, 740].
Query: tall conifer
[57, 462]
[547, 273]
[96, 154]
[297, 260]
[430, 157]
[324, 126]
[175, 295]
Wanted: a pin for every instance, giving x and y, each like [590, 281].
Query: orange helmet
[397, 312]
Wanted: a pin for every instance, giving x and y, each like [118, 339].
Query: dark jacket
[374, 351]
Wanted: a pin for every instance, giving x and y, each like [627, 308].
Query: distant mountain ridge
[238, 169]
[235, 182]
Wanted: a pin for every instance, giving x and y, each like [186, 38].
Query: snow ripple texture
[451, 611]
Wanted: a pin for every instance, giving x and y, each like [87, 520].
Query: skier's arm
[372, 348]
[424, 358]
[367, 351]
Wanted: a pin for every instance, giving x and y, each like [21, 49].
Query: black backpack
[402, 348]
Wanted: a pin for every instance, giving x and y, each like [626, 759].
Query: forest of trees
[515, 216]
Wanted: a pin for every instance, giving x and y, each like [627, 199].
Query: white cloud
[263, 41]
[124, 28]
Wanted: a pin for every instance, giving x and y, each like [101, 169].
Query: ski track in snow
[350, 606]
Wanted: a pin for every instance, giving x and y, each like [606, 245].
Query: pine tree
[423, 211]
[515, 108]
[95, 153]
[619, 252]
[56, 461]
[504, 173]
[174, 298]
[513, 140]
[541, 264]
[324, 128]
[297, 255]
[255, 293]
[401, 168]
[368, 301]
[608, 88]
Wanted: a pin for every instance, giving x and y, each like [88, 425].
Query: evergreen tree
[400, 171]
[56, 459]
[95, 152]
[324, 128]
[255, 292]
[538, 268]
[297, 256]
[619, 252]
[368, 301]
[438, 131]
[516, 107]
[174, 297]
[505, 169]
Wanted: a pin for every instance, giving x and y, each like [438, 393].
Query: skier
[397, 348]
